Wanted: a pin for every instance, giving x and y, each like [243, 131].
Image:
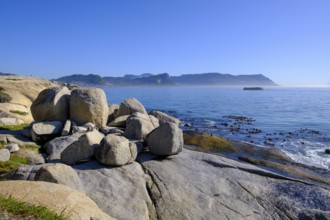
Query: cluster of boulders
[74, 126]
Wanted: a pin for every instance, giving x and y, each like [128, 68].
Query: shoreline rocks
[89, 105]
[52, 104]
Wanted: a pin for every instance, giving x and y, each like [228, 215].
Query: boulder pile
[76, 126]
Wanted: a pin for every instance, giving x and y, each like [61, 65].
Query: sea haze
[295, 120]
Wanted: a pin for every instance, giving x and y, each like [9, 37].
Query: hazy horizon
[286, 41]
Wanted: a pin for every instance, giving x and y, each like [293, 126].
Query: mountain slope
[166, 79]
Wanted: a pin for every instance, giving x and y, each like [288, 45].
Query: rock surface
[120, 192]
[61, 174]
[13, 148]
[116, 150]
[163, 117]
[52, 104]
[61, 199]
[14, 114]
[55, 147]
[193, 185]
[119, 121]
[129, 107]
[43, 131]
[165, 140]
[4, 155]
[66, 128]
[139, 125]
[83, 149]
[89, 105]
[21, 98]
[113, 108]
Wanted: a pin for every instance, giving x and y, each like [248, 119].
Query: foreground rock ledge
[56, 197]
[194, 185]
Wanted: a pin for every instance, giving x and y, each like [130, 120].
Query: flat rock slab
[193, 185]
[119, 191]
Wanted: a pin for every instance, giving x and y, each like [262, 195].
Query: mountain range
[164, 79]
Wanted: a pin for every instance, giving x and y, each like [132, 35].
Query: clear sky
[286, 40]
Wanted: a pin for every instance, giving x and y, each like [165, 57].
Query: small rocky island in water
[253, 88]
[88, 159]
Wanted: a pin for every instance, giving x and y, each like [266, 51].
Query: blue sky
[286, 40]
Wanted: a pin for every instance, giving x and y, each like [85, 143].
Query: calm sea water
[295, 120]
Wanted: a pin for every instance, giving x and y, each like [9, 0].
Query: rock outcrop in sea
[133, 165]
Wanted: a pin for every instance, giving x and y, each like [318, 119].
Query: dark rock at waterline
[327, 151]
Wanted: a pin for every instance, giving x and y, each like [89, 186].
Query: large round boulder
[89, 105]
[139, 125]
[165, 140]
[52, 104]
[130, 106]
[116, 150]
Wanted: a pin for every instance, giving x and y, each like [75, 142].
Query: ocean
[294, 120]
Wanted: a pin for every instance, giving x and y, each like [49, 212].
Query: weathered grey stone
[129, 107]
[25, 173]
[43, 131]
[14, 137]
[89, 126]
[89, 105]
[79, 129]
[165, 140]
[67, 128]
[116, 150]
[113, 108]
[83, 149]
[111, 130]
[61, 174]
[55, 147]
[138, 144]
[193, 185]
[4, 155]
[139, 125]
[52, 104]
[13, 148]
[118, 189]
[119, 121]
[163, 117]
[47, 128]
